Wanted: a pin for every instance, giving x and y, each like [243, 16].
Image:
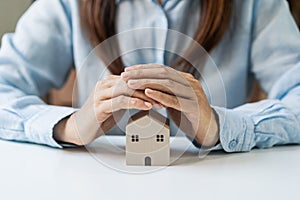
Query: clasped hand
[142, 87]
[181, 94]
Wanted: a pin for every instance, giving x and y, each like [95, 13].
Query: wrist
[65, 131]
[208, 135]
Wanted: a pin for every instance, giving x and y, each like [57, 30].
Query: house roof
[153, 115]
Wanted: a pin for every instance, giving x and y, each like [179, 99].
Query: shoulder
[53, 14]
[258, 13]
[54, 7]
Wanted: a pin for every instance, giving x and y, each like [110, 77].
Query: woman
[246, 39]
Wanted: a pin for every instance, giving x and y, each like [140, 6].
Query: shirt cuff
[39, 128]
[236, 130]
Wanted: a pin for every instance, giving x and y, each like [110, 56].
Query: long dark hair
[98, 19]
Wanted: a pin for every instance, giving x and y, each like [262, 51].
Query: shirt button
[232, 144]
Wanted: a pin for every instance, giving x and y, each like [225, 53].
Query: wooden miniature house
[148, 139]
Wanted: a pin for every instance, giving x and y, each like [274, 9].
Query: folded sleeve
[34, 59]
[275, 62]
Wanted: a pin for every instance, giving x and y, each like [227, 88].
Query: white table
[36, 172]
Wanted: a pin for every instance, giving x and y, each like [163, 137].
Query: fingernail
[149, 105]
[132, 82]
[149, 91]
[124, 75]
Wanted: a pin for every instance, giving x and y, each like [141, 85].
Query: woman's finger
[120, 88]
[123, 102]
[111, 77]
[152, 66]
[170, 101]
[143, 66]
[156, 73]
[113, 86]
[163, 85]
[107, 82]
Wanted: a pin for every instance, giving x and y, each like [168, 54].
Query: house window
[135, 138]
[159, 138]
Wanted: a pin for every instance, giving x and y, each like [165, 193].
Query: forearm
[28, 119]
[263, 124]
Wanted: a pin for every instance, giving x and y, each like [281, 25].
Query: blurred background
[11, 10]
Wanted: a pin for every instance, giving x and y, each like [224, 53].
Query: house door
[147, 161]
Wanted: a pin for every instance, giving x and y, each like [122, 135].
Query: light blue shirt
[264, 44]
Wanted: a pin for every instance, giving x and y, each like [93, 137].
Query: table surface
[30, 171]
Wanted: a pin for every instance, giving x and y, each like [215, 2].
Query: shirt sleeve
[275, 61]
[34, 59]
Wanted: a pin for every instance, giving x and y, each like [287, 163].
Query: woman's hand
[181, 94]
[104, 107]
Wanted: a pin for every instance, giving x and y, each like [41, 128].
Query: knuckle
[133, 101]
[109, 77]
[104, 83]
[99, 84]
[137, 73]
[195, 81]
[198, 85]
[121, 100]
[164, 71]
[171, 70]
[168, 83]
[141, 82]
[174, 101]
[190, 76]
[130, 92]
